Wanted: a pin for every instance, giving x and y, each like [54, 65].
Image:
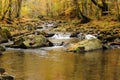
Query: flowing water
[53, 63]
[56, 64]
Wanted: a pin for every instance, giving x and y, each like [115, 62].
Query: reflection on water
[59, 65]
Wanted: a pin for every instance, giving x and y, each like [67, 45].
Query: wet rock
[3, 36]
[31, 41]
[4, 76]
[85, 45]
[75, 34]
[2, 48]
[1, 53]
[106, 46]
[49, 34]
[2, 71]
[7, 33]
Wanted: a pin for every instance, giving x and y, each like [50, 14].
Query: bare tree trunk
[51, 9]
[79, 13]
[117, 9]
[10, 10]
[97, 12]
[47, 6]
[4, 13]
[91, 9]
[85, 6]
[103, 7]
[0, 7]
[19, 8]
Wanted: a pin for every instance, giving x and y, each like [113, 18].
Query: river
[56, 64]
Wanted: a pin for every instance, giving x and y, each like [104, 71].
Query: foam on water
[61, 36]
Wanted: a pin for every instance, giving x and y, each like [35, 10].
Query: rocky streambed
[72, 37]
[38, 34]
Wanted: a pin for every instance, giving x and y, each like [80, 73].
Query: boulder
[85, 45]
[31, 41]
[4, 76]
[7, 33]
[2, 48]
[75, 34]
[3, 36]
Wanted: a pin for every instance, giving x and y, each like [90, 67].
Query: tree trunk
[85, 6]
[117, 9]
[0, 7]
[19, 9]
[103, 7]
[79, 13]
[4, 13]
[10, 11]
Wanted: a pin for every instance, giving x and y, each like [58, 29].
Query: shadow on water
[59, 65]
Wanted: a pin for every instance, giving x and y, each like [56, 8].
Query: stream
[54, 63]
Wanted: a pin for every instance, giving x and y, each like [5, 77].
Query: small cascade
[89, 36]
[61, 36]
[47, 25]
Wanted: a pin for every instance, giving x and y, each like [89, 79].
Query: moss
[7, 32]
[3, 37]
[2, 48]
[80, 49]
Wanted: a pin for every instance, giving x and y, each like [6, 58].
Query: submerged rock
[31, 41]
[85, 45]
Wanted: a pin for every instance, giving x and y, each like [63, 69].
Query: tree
[103, 7]
[10, 10]
[19, 4]
[117, 9]
[79, 13]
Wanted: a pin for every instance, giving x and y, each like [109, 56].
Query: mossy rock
[3, 37]
[2, 48]
[7, 32]
[31, 41]
[85, 45]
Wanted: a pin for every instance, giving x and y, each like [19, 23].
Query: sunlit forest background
[12, 9]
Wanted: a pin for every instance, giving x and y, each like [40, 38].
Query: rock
[49, 34]
[75, 34]
[2, 71]
[7, 32]
[4, 76]
[106, 46]
[18, 43]
[31, 41]
[1, 53]
[85, 45]
[3, 36]
[2, 48]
